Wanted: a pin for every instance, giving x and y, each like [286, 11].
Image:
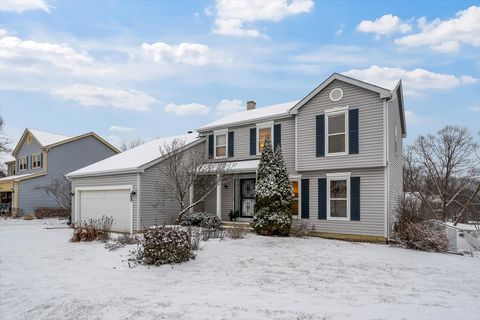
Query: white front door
[93, 204]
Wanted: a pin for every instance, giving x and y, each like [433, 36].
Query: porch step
[237, 224]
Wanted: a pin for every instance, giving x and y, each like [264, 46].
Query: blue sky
[128, 69]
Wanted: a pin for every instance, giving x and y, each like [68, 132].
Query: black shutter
[253, 141]
[322, 198]
[353, 131]
[355, 198]
[210, 146]
[305, 195]
[320, 135]
[277, 135]
[28, 166]
[230, 144]
[41, 159]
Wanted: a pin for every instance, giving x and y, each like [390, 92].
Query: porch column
[219, 197]
[191, 198]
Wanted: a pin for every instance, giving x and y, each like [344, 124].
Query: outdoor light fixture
[131, 195]
[226, 186]
[72, 194]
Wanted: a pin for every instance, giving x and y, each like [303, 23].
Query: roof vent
[190, 131]
[336, 94]
[251, 105]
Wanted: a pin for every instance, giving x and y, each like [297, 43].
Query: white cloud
[23, 5]
[232, 15]
[93, 96]
[384, 25]
[226, 106]
[121, 129]
[185, 53]
[414, 81]
[475, 109]
[446, 35]
[189, 109]
[413, 119]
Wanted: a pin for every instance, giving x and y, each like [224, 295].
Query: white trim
[386, 200]
[296, 142]
[263, 125]
[139, 183]
[219, 197]
[338, 177]
[385, 131]
[336, 109]
[223, 132]
[333, 90]
[338, 174]
[78, 191]
[191, 197]
[336, 112]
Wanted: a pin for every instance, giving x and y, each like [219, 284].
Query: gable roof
[247, 116]
[135, 159]
[50, 140]
[384, 93]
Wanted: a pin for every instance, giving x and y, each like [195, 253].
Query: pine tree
[273, 194]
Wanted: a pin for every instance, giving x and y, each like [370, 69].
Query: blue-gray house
[40, 157]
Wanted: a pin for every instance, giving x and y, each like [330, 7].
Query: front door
[247, 188]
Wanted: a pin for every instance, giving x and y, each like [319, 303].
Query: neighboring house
[39, 158]
[342, 146]
[124, 187]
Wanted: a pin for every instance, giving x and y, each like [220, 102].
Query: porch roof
[235, 166]
[17, 177]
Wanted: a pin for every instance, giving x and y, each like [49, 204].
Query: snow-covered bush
[164, 245]
[236, 232]
[93, 229]
[273, 194]
[424, 236]
[201, 219]
[300, 229]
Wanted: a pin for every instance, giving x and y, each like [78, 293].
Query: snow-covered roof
[233, 166]
[47, 138]
[5, 157]
[17, 176]
[242, 117]
[132, 160]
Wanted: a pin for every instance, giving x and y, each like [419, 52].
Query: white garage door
[111, 203]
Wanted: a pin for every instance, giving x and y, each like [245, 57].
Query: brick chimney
[251, 105]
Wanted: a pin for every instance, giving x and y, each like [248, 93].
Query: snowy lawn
[43, 276]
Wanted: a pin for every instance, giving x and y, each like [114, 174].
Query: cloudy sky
[128, 69]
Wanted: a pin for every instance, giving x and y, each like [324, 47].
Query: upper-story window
[264, 131]
[336, 131]
[36, 161]
[22, 163]
[220, 143]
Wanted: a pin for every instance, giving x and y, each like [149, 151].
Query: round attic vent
[336, 94]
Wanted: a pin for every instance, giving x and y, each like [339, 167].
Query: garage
[111, 202]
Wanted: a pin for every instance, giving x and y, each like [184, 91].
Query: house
[39, 158]
[342, 145]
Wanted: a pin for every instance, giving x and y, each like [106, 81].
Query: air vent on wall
[336, 94]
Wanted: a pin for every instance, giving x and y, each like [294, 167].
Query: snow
[133, 159]
[43, 276]
[266, 113]
[5, 157]
[233, 166]
[17, 176]
[47, 138]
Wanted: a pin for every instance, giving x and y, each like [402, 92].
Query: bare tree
[443, 172]
[4, 141]
[59, 190]
[127, 145]
[186, 167]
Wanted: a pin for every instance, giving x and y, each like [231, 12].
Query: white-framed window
[22, 163]
[338, 196]
[336, 131]
[221, 143]
[36, 160]
[264, 131]
[295, 202]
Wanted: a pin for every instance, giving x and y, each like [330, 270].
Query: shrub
[121, 242]
[201, 219]
[93, 229]
[164, 245]
[236, 232]
[301, 229]
[29, 217]
[424, 236]
[212, 234]
[41, 213]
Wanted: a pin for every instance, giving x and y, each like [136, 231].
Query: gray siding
[210, 203]
[372, 214]
[395, 161]
[61, 160]
[371, 150]
[242, 142]
[111, 180]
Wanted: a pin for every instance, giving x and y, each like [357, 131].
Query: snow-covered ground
[43, 276]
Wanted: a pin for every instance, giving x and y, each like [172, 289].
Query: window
[220, 144]
[264, 131]
[295, 198]
[36, 161]
[338, 197]
[336, 132]
[22, 163]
